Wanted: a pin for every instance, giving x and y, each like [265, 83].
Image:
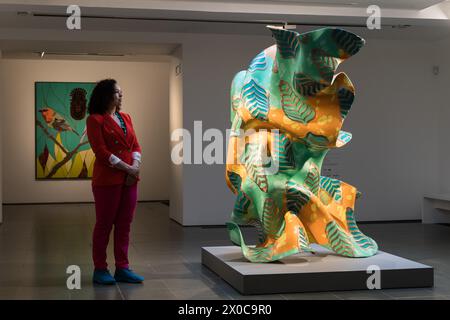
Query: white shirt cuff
[114, 160]
[136, 156]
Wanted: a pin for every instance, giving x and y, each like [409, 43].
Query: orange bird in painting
[55, 120]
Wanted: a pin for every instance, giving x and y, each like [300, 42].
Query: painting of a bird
[62, 150]
[55, 120]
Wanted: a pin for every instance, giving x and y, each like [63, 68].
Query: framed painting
[62, 147]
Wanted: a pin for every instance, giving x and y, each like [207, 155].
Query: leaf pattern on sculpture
[258, 63]
[325, 64]
[256, 100]
[332, 186]
[346, 41]
[287, 42]
[338, 240]
[296, 197]
[260, 254]
[307, 86]
[361, 239]
[272, 219]
[235, 103]
[235, 180]
[236, 126]
[292, 105]
[343, 138]
[316, 142]
[282, 154]
[312, 180]
[291, 88]
[303, 240]
[345, 98]
[241, 204]
[259, 229]
[255, 166]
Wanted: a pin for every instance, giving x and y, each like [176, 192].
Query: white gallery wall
[393, 156]
[176, 122]
[443, 100]
[392, 159]
[146, 99]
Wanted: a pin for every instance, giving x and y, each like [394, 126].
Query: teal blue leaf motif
[272, 220]
[296, 196]
[312, 180]
[256, 100]
[235, 180]
[306, 86]
[282, 154]
[242, 203]
[236, 125]
[332, 186]
[254, 165]
[347, 41]
[258, 63]
[303, 240]
[361, 239]
[339, 241]
[344, 137]
[325, 64]
[288, 42]
[316, 142]
[345, 98]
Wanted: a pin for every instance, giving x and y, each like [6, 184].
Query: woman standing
[114, 182]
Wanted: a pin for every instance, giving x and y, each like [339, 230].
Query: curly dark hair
[101, 96]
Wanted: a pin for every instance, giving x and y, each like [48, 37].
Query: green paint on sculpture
[292, 87]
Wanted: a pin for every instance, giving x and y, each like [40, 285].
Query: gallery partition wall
[1, 151]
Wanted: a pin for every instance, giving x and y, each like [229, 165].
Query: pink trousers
[114, 206]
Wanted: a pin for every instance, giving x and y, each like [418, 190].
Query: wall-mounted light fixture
[284, 26]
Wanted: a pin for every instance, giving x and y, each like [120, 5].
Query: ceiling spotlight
[289, 26]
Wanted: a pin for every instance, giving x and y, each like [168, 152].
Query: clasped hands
[133, 173]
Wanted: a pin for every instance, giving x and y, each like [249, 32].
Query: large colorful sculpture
[292, 87]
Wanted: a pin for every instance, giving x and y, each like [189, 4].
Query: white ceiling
[387, 4]
[435, 31]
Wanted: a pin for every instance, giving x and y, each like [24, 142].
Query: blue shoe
[127, 275]
[102, 276]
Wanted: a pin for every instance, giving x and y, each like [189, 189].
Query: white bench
[436, 208]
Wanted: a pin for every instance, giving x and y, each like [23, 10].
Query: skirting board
[321, 271]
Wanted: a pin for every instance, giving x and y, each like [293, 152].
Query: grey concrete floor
[38, 243]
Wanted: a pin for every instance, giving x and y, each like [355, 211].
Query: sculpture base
[321, 271]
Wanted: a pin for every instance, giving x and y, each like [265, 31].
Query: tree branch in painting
[69, 156]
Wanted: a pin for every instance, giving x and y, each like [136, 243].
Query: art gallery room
[337, 220]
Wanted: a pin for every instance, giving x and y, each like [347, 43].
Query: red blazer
[106, 137]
